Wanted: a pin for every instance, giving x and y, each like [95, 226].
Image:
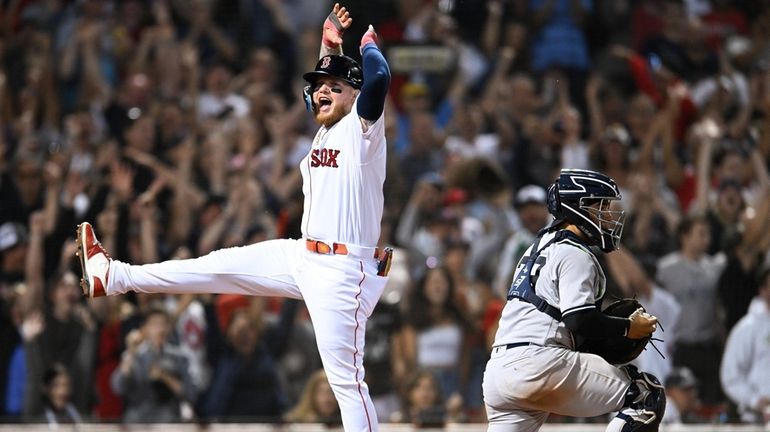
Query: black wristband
[592, 324]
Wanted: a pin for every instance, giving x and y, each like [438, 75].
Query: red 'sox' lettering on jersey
[324, 158]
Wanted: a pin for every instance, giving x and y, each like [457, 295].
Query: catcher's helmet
[573, 198]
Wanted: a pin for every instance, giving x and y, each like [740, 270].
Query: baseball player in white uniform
[334, 267]
[534, 368]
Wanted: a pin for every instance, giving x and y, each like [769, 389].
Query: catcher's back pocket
[523, 375]
[519, 358]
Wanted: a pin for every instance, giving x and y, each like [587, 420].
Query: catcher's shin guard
[644, 405]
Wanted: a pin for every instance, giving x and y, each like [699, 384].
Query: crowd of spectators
[176, 127]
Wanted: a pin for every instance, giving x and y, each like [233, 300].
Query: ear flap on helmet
[554, 203]
[354, 75]
[308, 96]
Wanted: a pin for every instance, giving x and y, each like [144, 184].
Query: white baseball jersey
[570, 279]
[342, 182]
[343, 177]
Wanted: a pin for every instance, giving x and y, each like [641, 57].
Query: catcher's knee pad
[644, 404]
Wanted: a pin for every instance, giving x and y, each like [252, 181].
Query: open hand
[335, 25]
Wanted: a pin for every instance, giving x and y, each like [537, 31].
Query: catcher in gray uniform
[553, 310]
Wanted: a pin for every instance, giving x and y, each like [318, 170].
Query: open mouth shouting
[324, 104]
[332, 99]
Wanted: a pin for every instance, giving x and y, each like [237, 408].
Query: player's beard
[328, 119]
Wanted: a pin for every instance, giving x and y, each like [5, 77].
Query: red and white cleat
[94, 261]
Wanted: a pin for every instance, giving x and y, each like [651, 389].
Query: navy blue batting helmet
[583, 198]
[337, 66]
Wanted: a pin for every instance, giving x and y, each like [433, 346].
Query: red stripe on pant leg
[355, 345]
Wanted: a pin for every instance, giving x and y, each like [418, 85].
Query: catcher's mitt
[617, 350]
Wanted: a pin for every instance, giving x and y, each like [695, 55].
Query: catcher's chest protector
[523, 286]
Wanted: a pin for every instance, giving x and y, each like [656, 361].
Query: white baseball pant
[340, 292]
[522, 385]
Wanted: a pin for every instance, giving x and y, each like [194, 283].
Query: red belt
[335, 248]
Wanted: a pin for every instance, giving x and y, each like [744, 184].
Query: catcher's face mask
[607, 219]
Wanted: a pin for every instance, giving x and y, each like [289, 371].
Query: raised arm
[595, 114]
[33, 298]
[492, 28]
[673, 168]
[706, 133]
[755, 236]
[371, 102]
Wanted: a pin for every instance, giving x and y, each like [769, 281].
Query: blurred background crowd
[176, 127]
